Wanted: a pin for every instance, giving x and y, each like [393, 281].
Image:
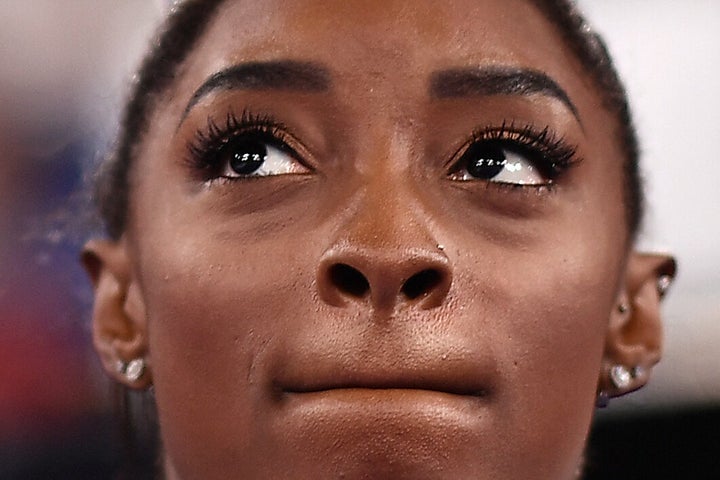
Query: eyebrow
[487, 81]
[272, 75]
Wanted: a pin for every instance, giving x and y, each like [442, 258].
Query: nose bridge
[385, 210]
[384, 252]
[386, 215]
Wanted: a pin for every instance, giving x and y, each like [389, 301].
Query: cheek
[216, 308]
[545, 305]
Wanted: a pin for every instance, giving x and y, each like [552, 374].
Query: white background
[668, 52]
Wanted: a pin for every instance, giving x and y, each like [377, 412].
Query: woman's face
[383, 297]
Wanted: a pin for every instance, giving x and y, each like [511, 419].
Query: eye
[242, 147]
[253, 156]
[499, 162]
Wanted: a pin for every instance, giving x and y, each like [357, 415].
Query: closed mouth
[442, 382]
[464, 391]
[455, 376]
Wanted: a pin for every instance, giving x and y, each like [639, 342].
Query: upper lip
[453, 374]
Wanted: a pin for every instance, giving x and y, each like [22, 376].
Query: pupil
[484, 160]
[247, 156]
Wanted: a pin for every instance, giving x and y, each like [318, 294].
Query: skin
[264, 365]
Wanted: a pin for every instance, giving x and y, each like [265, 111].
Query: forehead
[388, 39]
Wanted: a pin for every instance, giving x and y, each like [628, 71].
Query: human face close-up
[419, 280]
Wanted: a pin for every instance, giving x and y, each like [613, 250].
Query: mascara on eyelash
[208, 143]
[551, 154]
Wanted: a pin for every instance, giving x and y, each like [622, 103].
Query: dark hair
[177, 37]
[186, 25]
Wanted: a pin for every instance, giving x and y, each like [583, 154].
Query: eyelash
[551, 154]
[205, 148]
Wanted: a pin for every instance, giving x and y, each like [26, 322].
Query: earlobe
[634, 339]
[118, 317]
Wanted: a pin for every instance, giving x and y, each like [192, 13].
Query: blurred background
[64, 70]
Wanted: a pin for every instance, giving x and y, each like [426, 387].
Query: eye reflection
[493, 162]
[253, 157]
[246, 158]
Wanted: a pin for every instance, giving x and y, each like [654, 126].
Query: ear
[634, 339]
[118, 318]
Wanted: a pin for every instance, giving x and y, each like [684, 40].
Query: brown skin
[264, 366]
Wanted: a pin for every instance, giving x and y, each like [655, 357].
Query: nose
[384, 278]
[384, 252]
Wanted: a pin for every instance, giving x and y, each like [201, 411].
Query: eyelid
[548, 152]
[208, 142]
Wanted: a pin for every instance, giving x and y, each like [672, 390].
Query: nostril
[421, 283]
[349, 280]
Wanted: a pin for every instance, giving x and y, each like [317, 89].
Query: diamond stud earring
[620, 376]
[663, 284]
[623, 307]
[132, 370]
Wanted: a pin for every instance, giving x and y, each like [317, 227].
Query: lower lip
[383, 433]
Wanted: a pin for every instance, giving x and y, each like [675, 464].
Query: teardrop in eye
[484, 160]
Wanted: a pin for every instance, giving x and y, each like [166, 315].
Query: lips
[445, 382]
[460, 375]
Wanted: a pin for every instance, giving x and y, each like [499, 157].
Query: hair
[189, 21]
